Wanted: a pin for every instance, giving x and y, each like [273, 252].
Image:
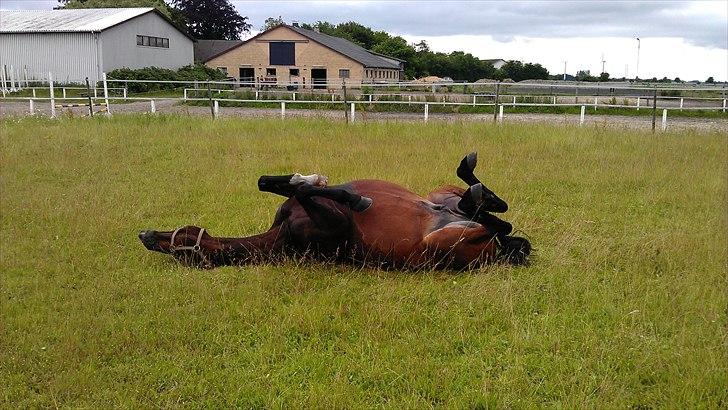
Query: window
[282, 53]
[270, 72]
[344, 73]
[223, 70]
[294, 72]
[150, 41]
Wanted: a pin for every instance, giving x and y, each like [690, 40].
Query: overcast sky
[678, 39]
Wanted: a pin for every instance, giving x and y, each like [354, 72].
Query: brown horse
[365, 222]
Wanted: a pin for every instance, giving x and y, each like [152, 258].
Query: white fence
[586, 96]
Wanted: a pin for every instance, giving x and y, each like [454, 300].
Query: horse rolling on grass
[368, 222]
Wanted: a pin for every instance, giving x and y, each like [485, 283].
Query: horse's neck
[250, 247]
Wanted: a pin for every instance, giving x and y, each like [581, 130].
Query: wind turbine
[603, 61]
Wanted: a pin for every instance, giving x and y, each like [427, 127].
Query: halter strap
[194, 248]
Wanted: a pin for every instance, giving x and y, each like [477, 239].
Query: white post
[332, 97]
[184, 94]
[353, 112]
[12, 80]
[216, 108]
[95, 93]
[33, 92]
[370, 98]
[473, 100]
[514, 100]
[664, 119]
[31, 108]
[294, 96]
[554, 100]
[724, 100]
[53, 99]
[106, 95]
[581, 117]
[64, 92]
[681, 104]
[427, 111]
[638, 103]
[124, 92]
[25, 75]
[152, 106]
[500, 113]
[283, 109]
[4, 80]
[595, 103]
[256, 94]
[410, 101]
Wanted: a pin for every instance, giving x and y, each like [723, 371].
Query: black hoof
[515, 250]
[362, 204]
[466, 168]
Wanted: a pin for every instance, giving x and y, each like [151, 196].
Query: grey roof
[72, 20]
[349, 49]
[67, 20]
[206, 49]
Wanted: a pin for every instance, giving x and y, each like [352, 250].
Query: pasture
[624, 304]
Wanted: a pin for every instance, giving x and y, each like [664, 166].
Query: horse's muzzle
[149, 240]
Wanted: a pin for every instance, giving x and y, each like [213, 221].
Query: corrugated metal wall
[71, 57]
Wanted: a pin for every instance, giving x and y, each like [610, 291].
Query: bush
[197, 72]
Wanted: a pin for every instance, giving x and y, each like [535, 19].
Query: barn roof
[70, 20]
[205, 49]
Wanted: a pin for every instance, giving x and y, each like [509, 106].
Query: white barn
[80, 43]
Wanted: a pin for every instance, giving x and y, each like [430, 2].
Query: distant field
[623, 306]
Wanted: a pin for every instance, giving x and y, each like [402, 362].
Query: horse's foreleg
[355, 202]
[286, 185]
[466, 168]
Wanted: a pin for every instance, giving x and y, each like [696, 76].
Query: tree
[271, 22]
[212, 19]
[97, 4]
[604, 76]
[710, 80]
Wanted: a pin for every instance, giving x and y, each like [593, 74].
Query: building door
[318, 78]
[247, 76]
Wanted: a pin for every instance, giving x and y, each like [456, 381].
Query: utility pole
[637, 70]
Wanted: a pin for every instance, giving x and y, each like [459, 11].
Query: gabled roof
[205, 49]
[368, 59]
[71, 20]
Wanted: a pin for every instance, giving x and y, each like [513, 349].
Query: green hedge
[196, 72]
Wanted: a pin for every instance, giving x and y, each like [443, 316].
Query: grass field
[623, 306]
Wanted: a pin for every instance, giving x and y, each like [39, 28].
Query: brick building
[285, 55]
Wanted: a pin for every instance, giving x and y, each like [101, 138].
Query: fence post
[216, 109]
[184, 94]
[283, 109]
[554, 97]
[125, 92]
[12, 80]
[581, 117]
[409, 99]
[370, 99]
[724, 105]
[31, 107]
[427, 111]
[495, 105]
[353, 112]
[96, 95]
[64, 92]
[25, 75]
[52, 95]
[514, 100]
[294, 96]
[473, 100]
[595, 103]
[638, 103]
[106, 94]
[33, 92]
[332, 97]
[681, 103]
[664, 119]
[152, 106]
[654, 109]
[343, 93]
[209, 99]
[90, 101]
[256, 94]
[500, 113]
[2, 77]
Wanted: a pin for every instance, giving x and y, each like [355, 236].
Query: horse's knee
[515, 250]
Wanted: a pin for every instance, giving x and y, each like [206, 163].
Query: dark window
[270, 71]
[344, 73]
[152, 41]
[282, 53]
[293, 71]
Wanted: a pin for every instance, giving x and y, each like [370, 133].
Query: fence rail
[485, 94]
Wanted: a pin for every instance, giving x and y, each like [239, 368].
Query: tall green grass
[623, 306]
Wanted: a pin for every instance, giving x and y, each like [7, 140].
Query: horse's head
[183, 243]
